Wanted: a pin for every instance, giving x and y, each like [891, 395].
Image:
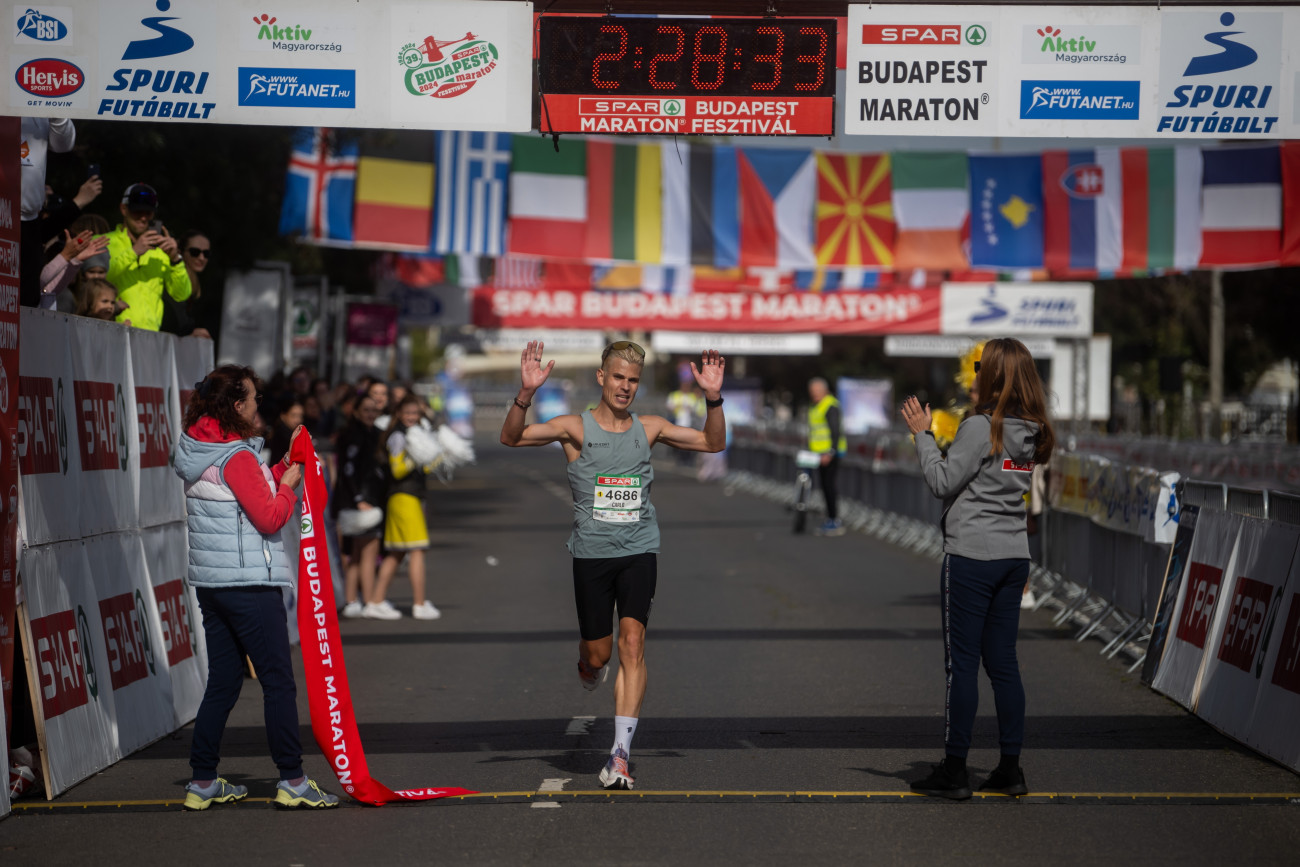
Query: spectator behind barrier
[181, 318]
[39, 136]
[98, 300]
[145, 259]
[288, 419]
[64, 266]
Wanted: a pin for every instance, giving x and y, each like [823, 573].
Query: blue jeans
[239, 621]
[981, 615]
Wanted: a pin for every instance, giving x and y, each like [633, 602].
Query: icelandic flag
[320, 187]
[778, 194]
[470, 200]
[1082, 219]
[1241, 206]
[1006, 211]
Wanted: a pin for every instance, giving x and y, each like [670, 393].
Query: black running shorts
[601, 582]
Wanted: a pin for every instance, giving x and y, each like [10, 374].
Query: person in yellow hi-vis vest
[826, 438]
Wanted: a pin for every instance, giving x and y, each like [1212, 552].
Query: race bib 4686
[617, 499]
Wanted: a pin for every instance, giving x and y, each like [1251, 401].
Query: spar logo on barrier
[1286, 671]
[1247, 621]
[180, 641]
[1199, 596]
[42, 440]
[63, 658]
[101, 423]
[445, 68]
[155, 427]
[146, 90]
[130, 658]
[1219, 72]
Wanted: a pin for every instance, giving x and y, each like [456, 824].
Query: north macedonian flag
[855, 215]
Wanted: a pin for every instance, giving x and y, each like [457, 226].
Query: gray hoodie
[983, 494]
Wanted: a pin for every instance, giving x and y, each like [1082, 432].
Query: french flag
[1083, 213]
[1241, 206]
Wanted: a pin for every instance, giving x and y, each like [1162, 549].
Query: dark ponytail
[216, 395]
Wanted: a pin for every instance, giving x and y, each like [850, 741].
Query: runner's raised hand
[709, 373]
[531, 373]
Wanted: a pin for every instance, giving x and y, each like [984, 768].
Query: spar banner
[157, 424]
[905, 311]
[4, 743]
[1244, 623]
[1277, 707]
[10, 196]
[67, 665]
[47, 430]
[1211, 559]
[103, 416]
[436, 64]
[128, 619]
[182, 652]
[328, 694]
[195, 359]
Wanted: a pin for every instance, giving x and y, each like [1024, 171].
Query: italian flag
[548, 198]
[599, 200]
[1161, 208]
[931, 210]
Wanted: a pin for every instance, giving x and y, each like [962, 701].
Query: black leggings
[827, 474]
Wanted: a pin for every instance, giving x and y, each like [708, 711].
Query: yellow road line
[703, 795]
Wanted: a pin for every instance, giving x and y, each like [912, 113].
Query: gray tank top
[610, 480]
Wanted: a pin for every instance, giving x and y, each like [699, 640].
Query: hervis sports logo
[444, 68]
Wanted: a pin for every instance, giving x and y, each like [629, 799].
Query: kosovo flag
[1006, 211]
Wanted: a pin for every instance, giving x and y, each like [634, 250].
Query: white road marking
[544, 805]
[580, 725]
[554, 784]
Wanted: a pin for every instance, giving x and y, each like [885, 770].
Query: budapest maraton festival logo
[446, 67]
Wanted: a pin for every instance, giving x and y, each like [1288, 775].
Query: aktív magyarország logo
[446, 67]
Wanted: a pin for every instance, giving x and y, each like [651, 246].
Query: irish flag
[548, 198]
[931, 210]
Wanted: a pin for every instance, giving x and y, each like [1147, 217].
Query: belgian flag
[394, 197]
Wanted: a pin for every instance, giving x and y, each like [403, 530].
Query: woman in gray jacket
[983, 481]
[236, 507]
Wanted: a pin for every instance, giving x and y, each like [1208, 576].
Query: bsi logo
[39, 27]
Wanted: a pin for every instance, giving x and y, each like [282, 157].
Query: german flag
[394, 198]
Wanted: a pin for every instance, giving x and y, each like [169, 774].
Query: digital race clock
[689, 76]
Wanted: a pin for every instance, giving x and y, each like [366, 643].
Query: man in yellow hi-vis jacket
[144, 260]
[826, 438]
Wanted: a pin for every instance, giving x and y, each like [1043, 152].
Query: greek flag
[470, 207]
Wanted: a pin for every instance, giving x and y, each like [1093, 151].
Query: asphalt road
[796, 687]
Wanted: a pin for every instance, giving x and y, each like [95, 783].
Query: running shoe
[376, 611]
[591, 678]
[353, 609]
[306, 796]
[831, 528]
[1002, 782]
[945, 782]
[425, 611]
[614, 775]
[219, 791]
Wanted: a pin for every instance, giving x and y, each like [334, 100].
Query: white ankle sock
[624, 728]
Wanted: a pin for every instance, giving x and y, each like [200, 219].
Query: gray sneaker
[307, 796]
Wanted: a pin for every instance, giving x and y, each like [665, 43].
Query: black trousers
[828, 474]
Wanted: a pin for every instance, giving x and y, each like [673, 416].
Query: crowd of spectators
[138, 273]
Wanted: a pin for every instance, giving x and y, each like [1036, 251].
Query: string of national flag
[671, 206]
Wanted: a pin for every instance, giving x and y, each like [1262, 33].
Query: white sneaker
[425, 611]
[384, 603]
[1028, 600]
[376, 611]
[353, 609]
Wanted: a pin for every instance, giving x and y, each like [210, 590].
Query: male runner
[615, 537]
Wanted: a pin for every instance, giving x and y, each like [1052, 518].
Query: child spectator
[99, 300]
[405, 529]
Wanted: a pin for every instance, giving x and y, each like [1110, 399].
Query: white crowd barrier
[114, 649]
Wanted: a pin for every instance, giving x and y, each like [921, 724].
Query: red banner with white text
[332, 720]
[904, 311]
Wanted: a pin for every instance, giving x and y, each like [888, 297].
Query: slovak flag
[320, 187]
[1083, 226]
